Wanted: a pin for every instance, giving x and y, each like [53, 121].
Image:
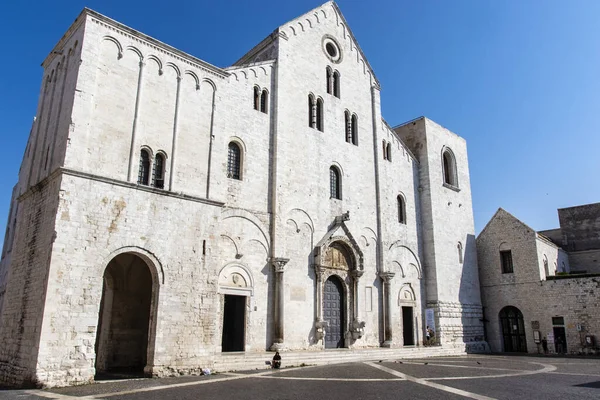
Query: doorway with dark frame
[234, 323]
[407, 326]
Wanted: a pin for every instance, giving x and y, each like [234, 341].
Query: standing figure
[545, 345]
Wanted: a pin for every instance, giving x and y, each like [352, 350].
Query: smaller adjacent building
[538, 285]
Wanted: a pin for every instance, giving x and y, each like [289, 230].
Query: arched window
[144, 172]
[264, 100]
[513, 330]
[319, 116]
[546, 270]
[336, 84]
[401, 209]
[329, 80]
[234, 161]
[388, 151]
[311, 111]
[459, 248]
[335, 183]
[256, 97]
[354, 130]
[158, 179]
[383, 144]
[348, 126]
[449, 168]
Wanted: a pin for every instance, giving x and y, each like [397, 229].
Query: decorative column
[386, 277]
[357, 328]
[278, 268]
[320, 325]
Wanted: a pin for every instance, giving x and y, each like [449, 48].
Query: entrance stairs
[244, 361]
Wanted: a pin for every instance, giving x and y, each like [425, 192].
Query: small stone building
[168, 210]
[545, 284]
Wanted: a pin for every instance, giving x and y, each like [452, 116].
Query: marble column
[386, 277]
[278, 334]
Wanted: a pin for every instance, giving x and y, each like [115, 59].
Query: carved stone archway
[338, 254]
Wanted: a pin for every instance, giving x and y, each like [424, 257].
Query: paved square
[476, 377]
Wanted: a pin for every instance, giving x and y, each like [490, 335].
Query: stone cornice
[116, 182]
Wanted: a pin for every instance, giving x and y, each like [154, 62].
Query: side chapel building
[168, 210]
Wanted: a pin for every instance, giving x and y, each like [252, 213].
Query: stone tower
[448, 233]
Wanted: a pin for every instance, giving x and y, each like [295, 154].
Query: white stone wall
[121, 91]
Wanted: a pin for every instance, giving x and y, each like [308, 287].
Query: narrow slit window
[319, 116]
[459, 248]
[159, 171]
[354, 130]
[311, 111]
[264, 101]
[401, 210]
[144, 171]
[384, 149]
[388, 151]
[336, 84]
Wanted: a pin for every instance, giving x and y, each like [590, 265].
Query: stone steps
[257, 360]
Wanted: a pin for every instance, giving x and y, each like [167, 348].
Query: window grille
[335, 186]
[144, 172]
[234, 161]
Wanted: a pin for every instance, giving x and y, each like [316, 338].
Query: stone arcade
[168, 210]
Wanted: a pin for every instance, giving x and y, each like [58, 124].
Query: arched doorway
[124, 318]
[333, 312]
[513, 330]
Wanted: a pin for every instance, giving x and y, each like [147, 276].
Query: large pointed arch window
[234, 161]
[144, 170]
[335, 183]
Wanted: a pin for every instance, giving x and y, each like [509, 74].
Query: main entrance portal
[124, 319]
[333, 311]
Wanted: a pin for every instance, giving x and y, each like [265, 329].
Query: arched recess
[341, 256]
[236, 279]
[126, 331]
[513, 330]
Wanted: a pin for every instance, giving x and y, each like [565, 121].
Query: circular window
[332, 49]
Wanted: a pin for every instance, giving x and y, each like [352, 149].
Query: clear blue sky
[519, 79]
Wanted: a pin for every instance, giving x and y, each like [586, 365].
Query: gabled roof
[280, 33]
[497, 214]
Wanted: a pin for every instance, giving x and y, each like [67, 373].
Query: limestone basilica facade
[168, 211]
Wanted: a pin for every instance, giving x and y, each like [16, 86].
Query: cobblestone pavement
[476, 377]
